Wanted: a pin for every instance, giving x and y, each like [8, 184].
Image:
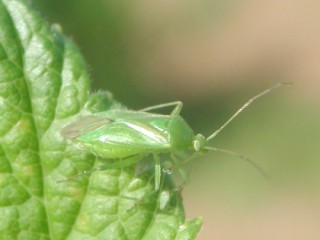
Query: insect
[129, 136]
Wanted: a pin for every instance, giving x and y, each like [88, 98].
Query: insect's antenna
[251, 100]
[243, 157]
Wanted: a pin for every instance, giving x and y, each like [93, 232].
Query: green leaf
[44, 85]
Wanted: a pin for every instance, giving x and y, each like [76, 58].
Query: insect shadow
[129, 136]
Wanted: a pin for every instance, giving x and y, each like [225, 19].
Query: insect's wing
[136, 134]
[124, 138]
[84, 125]
[90, 123]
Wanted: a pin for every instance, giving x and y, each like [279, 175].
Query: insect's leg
[178, 106]
[186, 157]
[184, 175]
[177, 109]
[157, 172]
[125, 162]
[162, 196]
[119, 164]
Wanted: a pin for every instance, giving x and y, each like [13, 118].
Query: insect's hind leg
[176, 111]
[125, 162]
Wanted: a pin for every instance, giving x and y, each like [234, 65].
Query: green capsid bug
[130, 135]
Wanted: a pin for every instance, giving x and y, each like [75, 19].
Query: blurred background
[214, 55]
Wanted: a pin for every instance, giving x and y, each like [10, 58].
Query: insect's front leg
[184, 175]
[157, 172]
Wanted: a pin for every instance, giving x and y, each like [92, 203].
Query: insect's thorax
[181, 135]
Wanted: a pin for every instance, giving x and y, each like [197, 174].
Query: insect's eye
[196, 145]
[199, 143]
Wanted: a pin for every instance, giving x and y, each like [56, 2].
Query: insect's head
[199, 143]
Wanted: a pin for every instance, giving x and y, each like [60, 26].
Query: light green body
[131, 133]
[128, 135]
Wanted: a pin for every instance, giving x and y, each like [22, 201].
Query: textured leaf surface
[44, 85]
